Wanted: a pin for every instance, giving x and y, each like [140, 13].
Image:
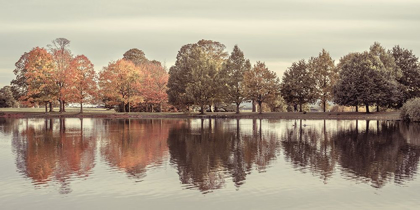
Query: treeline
[53, 75]
[206, 76]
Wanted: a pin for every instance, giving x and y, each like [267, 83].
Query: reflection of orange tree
[132, 145]
[205, 156]
[46, 155]
[310, 149]
[377, 156]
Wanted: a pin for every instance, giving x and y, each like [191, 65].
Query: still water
[208, 164]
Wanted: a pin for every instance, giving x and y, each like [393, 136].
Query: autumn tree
[298, 85]
[154, 83]
[62, 58]
[261, 84]
[408, 63]
[119, 83]
[41, 86]
[192, 80]
[232, 75]
[81, 81]
[325, 75]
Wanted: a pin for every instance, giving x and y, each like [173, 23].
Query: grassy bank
[104, 113]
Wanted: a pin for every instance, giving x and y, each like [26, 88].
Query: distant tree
[192, 80]
[410, 69]
[81, 81]
[298, 85]
[62, 57]
[325, 75]
[232, 75]
[136, 56]
[41, 86]
[277, 104]
[18, 85]
[261, 84]
[119, 83]
[154, 84]
[6, 97]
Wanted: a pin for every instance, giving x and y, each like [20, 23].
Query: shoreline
[392, 116]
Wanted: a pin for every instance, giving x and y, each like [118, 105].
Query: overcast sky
[276, 32]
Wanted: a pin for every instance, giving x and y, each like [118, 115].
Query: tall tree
[19, 85]
[325, 75]
[81, 81]
[232, 75]
[41, 86]
[154, 84]
[192, 80]
[298, 85]
[62, 58]
[409, 65]
[261, 84]
[119, 83]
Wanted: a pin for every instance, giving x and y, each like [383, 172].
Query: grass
[105, 113]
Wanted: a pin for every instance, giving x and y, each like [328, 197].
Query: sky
[277, 32]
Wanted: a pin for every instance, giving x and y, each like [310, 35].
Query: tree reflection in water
[207, 155]
[132, 145]
[51, 154]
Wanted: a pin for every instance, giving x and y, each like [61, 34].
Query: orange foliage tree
[81, 81]
[41, 87]
[119, 84]
[154, 84]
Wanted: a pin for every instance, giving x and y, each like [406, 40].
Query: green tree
[233, 75]
[325, 75]
[194, 77]
[298, 85]
[136, 56]
[410, 69]
[6, 97]
[19, 85]
[261, 84]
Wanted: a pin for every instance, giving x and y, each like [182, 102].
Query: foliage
[233, 75]
[119, 84]
[136, 56]
[410, 111]
[19, 85]
[298, 85]
[154, 87]
[261, 84]
[81, 80]
[325, 75]
[6, 97]
[410, 69]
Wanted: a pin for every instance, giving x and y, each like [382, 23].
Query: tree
[261, 84]
[6, 97]
[410, 69]
[233, 75]
[41, 86]
[62, 58]
[325, 75]
[193, 78]
[154, 84]
[363, 81]
[81, 81]
[298, 85]
[136, 56]
[19, 86]
[119, 83]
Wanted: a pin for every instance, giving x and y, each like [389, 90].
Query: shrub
[410, 111]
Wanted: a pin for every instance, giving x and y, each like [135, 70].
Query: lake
[208, 164]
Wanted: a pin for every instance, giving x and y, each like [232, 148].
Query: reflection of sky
[277, 32]
[280, 186]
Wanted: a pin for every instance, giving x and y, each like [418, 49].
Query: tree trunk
[202, 109]
[81, 107]
[357, 108]
[151, 105]
[51, 107]
[367, 108]
[259, 106]
[377, 108]
[160, 107]
[237, 108]
[64, 106]
[61, 105]
[46, 107]
[300, 108]
[325, 105]
[253, 106]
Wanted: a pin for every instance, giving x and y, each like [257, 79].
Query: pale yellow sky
[275, 32]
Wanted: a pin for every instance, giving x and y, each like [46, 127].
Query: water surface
[208, 164]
